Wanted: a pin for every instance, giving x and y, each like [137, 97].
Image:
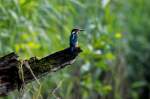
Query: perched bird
[74, 39]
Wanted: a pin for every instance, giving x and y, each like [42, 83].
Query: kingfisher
[74, 39]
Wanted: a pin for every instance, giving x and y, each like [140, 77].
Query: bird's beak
[81, 30]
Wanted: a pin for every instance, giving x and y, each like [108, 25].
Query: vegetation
[114, 63]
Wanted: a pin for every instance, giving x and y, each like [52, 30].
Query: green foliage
[115, 44]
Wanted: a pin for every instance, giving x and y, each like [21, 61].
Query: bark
[14, 74]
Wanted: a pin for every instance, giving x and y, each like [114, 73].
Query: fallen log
[14, 73]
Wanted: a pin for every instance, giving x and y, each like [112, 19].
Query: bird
[74, 39]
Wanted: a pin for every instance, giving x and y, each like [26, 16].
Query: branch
[15, 73]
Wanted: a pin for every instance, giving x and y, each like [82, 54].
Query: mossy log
[15, 73]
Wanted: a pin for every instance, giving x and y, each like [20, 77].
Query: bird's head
[76, 31]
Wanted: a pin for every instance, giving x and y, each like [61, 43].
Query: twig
[28, 66]
[54, 90]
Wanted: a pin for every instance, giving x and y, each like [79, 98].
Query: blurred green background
[114, 63]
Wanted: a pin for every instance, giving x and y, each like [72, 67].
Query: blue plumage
[74, 39]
